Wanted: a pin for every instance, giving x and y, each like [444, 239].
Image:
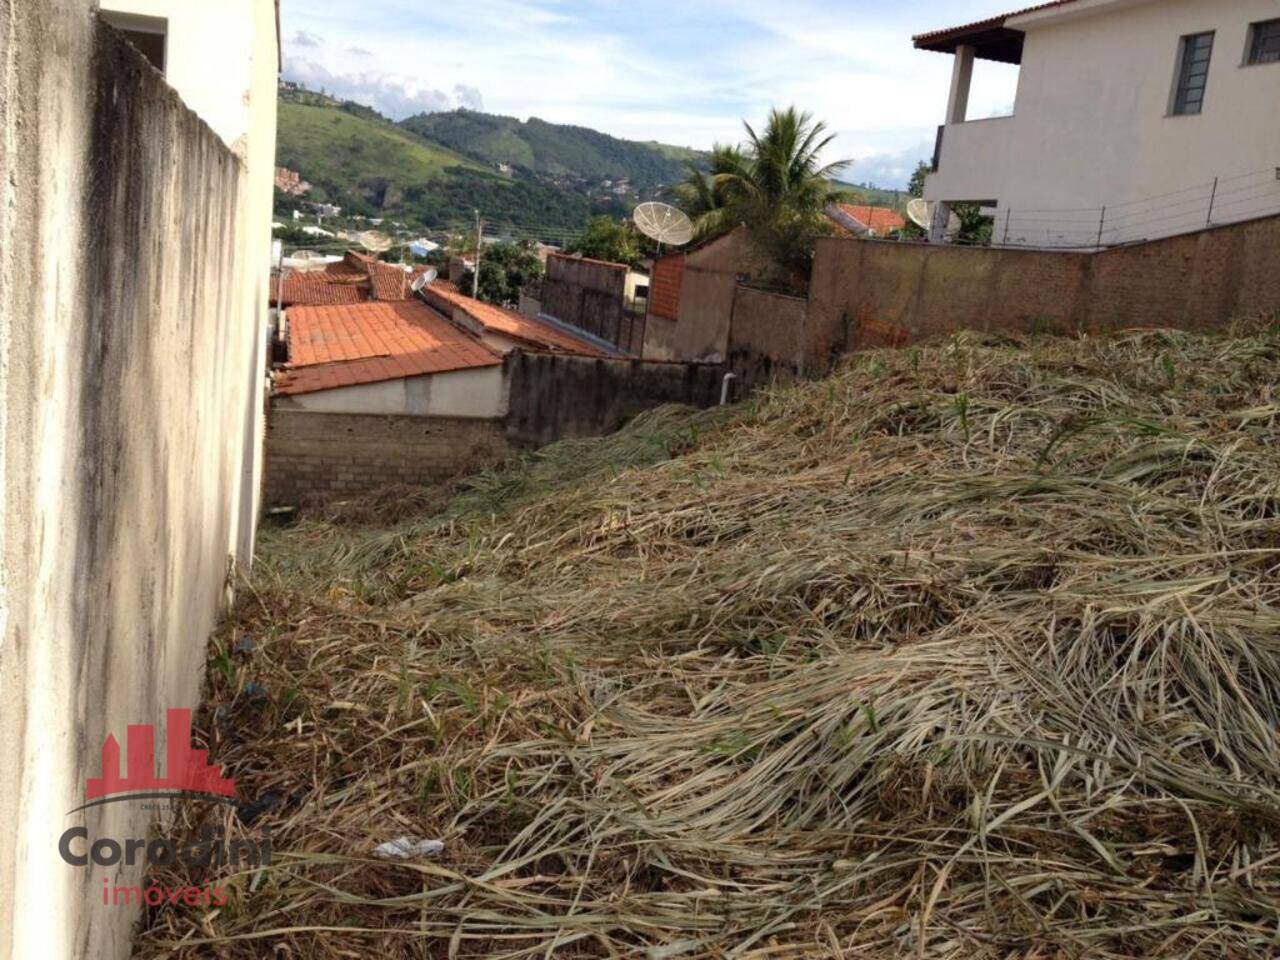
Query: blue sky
[681, 71]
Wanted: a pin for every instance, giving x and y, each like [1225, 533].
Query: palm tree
[776, 184]
[702, 195]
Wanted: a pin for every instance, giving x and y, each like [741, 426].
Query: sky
[686, 72]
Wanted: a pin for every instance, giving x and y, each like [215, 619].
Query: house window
[1193, 73]
[1264, 42]
[148, 34]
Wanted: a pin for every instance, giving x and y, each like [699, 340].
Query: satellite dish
[375, 242]
[423, 279]
[664, 223]
[920, 212]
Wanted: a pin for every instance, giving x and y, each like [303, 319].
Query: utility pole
[475, 274]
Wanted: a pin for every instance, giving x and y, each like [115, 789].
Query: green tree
[916, 187]
[777, 184]
[505, 270]
[607, 239]
[703, 194]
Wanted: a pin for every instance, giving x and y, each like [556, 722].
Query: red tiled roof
[315, 289]
[879, 220]
[343, 346]
[509, 324]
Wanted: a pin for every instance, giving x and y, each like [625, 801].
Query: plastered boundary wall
[127, 367]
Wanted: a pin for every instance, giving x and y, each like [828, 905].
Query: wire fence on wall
[1218, 202]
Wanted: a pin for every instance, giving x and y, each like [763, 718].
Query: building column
[961, 81]
[938, 224]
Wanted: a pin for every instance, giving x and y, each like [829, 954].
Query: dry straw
[971, 650]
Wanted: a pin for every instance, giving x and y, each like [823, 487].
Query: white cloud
[681, 72]
[395, 96]
[304, 39]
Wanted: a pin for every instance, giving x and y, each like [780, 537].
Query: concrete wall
[553, 397]
[767, 338]
[1092, 122]
[131, 380]
[868, 293]
[314, 456]
[591, 295]
[478, 394]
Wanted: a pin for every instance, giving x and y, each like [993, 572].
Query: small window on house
[148, 34]
[1264, 42]
[1193, 73]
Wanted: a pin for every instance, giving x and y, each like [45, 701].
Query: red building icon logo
[186, 770]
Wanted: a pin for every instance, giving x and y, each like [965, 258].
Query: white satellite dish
[375, 242]
[426, 278]
[920, 212]
[664, 223]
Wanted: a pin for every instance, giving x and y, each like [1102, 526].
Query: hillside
[970, 651]
[552, 150]
[369, 166]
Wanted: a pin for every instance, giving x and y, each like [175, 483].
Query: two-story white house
[1133, 119]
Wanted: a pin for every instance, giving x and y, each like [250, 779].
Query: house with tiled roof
[356, 278]
[387, 357]
[864, 220]
[505, 330]
[1133, 119]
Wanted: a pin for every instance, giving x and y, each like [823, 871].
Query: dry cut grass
[970, 651]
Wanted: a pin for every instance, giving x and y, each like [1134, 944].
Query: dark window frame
[1264, 43]
[1191, 82]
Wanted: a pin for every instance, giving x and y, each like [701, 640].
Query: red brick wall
[665, 284]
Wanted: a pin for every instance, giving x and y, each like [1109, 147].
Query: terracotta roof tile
[527, 330]
[345, 345]
[879, 220]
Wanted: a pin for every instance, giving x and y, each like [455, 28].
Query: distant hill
[551, 150]
[360, 160]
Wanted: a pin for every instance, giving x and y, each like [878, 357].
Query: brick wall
[590, 294]
[664, 286]
[767, 337]
[867, 293]
[317, 456]
[554, 397]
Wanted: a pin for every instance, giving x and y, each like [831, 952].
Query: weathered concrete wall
[480, 394]
[868, 293]
[553, 397]
[314, 456]
[767, 338]
[590, 295]
[129, 386]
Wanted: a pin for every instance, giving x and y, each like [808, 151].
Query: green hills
[558, 151]
[435, 170]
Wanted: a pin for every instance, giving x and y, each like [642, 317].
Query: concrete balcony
[973, 160]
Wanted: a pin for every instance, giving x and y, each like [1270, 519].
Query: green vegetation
[505, 270]
[550, 149]
[360, 160]
[970, 651]
[608, 239]
[372, 167]
[777, 184]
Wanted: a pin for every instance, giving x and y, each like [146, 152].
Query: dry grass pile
[969, 651]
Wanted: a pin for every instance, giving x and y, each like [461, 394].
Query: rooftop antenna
[920, 212]
[424, 279]
[663, 223]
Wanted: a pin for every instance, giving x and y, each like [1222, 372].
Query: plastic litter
[407, 848]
